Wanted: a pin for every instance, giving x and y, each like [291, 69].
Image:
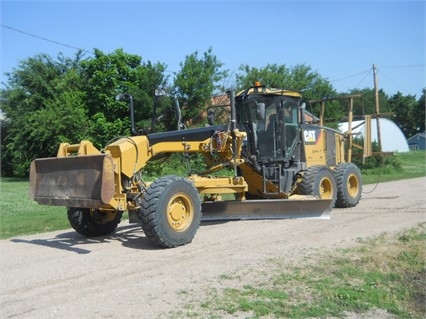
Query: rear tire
[349, 185]
[93, 222]
[171, 212]
[320, 182]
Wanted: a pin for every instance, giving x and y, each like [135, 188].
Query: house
[417, 142]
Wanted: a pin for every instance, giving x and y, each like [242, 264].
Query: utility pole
[376, 91]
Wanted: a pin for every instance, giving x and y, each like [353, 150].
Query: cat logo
[310, 136]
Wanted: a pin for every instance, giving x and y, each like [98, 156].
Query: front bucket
[266, 209]
[74, 181]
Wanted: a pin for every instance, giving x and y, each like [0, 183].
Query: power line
[366, 73]
[351, 76]
[386, 76]
[44, 39]
[362, 80]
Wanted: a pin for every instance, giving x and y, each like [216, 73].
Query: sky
[341, 40]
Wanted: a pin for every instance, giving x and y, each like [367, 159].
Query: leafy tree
[272, 75]
[107, 75]
[51, 101]
[367, 103]
[300, 77]
[409, 113]
[29, 85]
[196, 82]
[421, 108]
[44, 106]
[150, 78]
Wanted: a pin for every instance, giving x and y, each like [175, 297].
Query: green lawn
[411, 165]
[19, 215]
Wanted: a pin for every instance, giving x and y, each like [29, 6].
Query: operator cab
[271, 119]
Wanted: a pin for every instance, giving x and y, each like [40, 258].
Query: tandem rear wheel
[320, 182]
[349, 185]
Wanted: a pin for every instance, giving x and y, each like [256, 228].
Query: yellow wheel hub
[180, 212]
[326, 189]
[352, 185]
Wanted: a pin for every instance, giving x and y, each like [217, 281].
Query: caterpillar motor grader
[282, 167]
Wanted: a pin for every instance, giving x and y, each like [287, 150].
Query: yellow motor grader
[282, 167]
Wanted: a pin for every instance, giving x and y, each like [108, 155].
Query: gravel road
[64, 275]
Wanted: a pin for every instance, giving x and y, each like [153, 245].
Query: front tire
[93, 222]
[171, 212]
[320, 182]
[349, 185]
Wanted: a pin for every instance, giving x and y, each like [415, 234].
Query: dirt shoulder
[64, 275]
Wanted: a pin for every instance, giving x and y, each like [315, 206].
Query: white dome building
[392, 138]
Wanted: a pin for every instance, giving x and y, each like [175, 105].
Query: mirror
[210, 117]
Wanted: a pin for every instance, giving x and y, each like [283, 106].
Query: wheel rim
[326, 189]
[352, 185]
[180, 212]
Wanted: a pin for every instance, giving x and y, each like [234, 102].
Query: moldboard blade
[266, 209]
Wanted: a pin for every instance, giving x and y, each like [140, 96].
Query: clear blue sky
[341, 40]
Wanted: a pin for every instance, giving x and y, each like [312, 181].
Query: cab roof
[261, 89]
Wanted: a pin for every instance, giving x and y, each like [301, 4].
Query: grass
[19, 215]
[408, 165]
[386, 273]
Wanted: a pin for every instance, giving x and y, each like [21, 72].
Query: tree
[107, 75]
[409, 113]
[300, 77]
[44, 106]
[367, 104]
[272, 75]
[51, 101]
[421, 108]
[196, 82]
